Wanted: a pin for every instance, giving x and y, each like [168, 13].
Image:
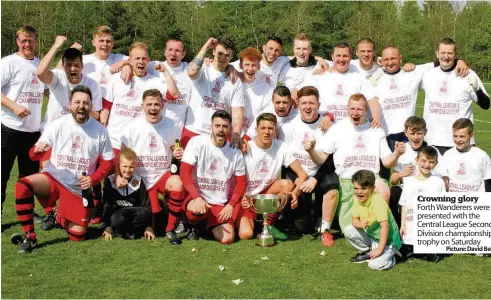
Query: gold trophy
[266, 204]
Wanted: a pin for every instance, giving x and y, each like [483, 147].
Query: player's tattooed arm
[194, 67]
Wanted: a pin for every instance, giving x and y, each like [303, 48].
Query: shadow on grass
[52, 242]
[9, 225]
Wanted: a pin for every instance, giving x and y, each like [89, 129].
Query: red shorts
[240, 212]
[46, 157]
[153, 192]
[211, 216]
[70, 207]
[186, 135]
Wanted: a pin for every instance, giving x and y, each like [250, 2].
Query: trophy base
[267, 241]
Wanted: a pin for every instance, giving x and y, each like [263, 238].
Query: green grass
[142, 269]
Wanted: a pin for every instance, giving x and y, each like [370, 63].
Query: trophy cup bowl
[266, 204]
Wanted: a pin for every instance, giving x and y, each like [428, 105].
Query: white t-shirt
[75, 149]
[100, 70]
[21, 85]
[257, 96]
[447, 98]
[269, 74]
[467, 171]
[252, 133]
[211, 92]
[152, 144]
[295, 134]
[59, 95]
[356, 67]
[294, 77]
[263, 166]
[355, 148]
[336, 88]
[397, 95]
[176, 109]
[412, 188]
[409, 158]
[214, 168]
[127, 102]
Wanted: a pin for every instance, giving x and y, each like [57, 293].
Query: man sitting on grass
[374, 232]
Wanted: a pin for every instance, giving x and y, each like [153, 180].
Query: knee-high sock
[24, 206]
[175, 202]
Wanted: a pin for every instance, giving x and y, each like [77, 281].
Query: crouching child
[374, 232]
[126, 205]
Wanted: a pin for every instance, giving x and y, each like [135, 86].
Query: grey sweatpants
[362, 242]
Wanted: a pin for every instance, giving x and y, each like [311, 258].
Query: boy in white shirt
[415, 131]
[423, 182]
[468, 168]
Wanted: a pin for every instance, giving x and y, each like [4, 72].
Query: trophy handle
[284, 199]
[251, 204]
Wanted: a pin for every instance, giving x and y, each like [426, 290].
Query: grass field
[142, 269]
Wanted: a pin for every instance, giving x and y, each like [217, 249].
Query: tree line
[415, 29]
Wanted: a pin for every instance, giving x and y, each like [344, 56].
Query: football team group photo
[225, 156]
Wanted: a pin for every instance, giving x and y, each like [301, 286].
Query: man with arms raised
[78, 142]
[323, 181]
[336, 87]
[62, 81]
[152, 138]
[209, 168]
[22, 101]
[449, 97]
[123, 101]
[175, 109]
[355, 146]
[264, 159]
[213, 92]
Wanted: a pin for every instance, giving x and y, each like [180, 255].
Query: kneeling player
[208, 167]
[264, 159]
[152, 138]
[77, 142]
[127, 209]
